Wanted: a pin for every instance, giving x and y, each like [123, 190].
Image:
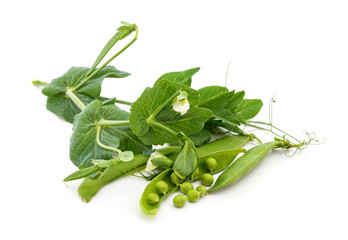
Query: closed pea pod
[90, 186]
[244, 164]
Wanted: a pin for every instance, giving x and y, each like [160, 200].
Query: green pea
[202, 191]
[175, 179]
[185, 187]
[210, 163]
[207, 179]
[162, 187]
[179, 200]
[193, 195]
[153, 198]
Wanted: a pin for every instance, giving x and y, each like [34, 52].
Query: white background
[297, 50]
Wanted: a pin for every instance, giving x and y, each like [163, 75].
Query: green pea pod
[243, 165]
[223, 158]
[224, 150]
[145, 204]
[89, 187]
[225, 143]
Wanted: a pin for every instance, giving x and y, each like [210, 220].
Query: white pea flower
[181, 104]
[150, 166]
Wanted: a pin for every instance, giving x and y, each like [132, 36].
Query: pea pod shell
[223, 159]
[225, 143]
[145, 205]
[89, 187]
[243, 165]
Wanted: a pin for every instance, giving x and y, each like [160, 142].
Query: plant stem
[165, 128]
[272, 126]
[104, 122]
[103, 145]
[39, 83]
[123, 102]
[75, 99]
[154, 114]
[108, 61]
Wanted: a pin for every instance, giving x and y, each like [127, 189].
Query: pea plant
[172, 136]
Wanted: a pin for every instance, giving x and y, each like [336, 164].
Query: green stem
[99, 128]
[108, 61]
[154, 114]
[123, 102]
[75, 99]
[39, 83]
[104, 122]
[165, 128]
[272, 126]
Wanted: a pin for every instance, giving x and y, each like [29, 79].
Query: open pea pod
[223, 159]
[224, 150]
[145, 204]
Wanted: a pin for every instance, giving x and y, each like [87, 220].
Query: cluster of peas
[185, 187]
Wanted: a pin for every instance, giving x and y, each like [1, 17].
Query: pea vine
[172, 136]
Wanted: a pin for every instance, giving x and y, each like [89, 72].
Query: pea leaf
[153, 99]
[186, 162]
[214, 97]
[60, 104]
[82, 173]
[249, 108]
[183, 77]
[235, 100]
[226, 116]
[200, 138]
[210, 92]
[121, 33]
[83, 145]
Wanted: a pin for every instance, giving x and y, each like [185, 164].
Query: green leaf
[82, 173]
[156, 99]
[186, 162]
[210, 92]
[83, 145]
[184, 77]
[226, 116]
[200, 138]
[249, 108]
[212, 99]
[235, 100]
[121, 33]
[61, 105]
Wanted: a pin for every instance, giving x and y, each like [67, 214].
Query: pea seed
[207, 179]
[193, 195]
[179, 200]
[195, 173]
[210, 163]
[153, 198]
[185, 187]
[162, 187]
[175, 179]
[202, 191]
